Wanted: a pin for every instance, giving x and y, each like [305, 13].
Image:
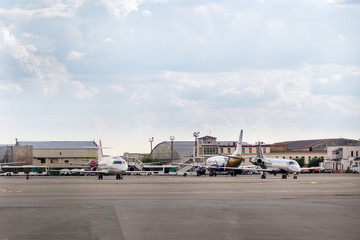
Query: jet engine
[257, 161]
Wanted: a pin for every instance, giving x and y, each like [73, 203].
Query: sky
[124, 71]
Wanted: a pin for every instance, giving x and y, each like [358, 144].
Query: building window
[250, 150]
[42, 160]
[66, 161]
[229, 151]
[243, 150]
[357, 153]
[352, 153]
[264, 151]
[210, 150]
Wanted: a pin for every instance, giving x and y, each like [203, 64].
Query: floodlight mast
[196, 135]
[172, 138]
[151, 140]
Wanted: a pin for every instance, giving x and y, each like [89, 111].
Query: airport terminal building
[208, 146]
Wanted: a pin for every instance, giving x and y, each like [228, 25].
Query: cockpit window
[117, 162]
[291, 163]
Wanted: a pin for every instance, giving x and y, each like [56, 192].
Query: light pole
[196, 135]
[151, 141]
[172, 138]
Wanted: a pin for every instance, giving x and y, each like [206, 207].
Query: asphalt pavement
[314, 206]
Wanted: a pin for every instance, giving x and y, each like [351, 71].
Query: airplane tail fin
[238, 150]
[100, 151]
[259, 151]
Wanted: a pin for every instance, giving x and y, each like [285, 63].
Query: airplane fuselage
[219, 162]
[113, 165]
[281, 165]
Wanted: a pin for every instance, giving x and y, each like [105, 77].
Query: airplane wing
[312, 168]
[256, 169]
[241, 157]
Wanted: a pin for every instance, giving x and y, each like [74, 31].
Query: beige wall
[22, 154]
[64, 158]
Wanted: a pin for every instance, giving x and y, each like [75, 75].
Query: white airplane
[275, 165]
[107, 165]
[229, 163]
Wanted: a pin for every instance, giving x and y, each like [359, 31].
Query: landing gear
[118, 176]
[212, 174]
[263, 176]
[100, 176]
[295, 176]
[284, 176]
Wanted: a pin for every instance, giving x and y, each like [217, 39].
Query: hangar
[54, 154]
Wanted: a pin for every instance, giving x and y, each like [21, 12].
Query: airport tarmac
[315, 206]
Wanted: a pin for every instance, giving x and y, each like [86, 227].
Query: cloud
[74, 55]
[344, 2]
[297, 89]
[232, 91]
[117, 87]
[146, 13]
[340, 37]
[54, 9]
[183, 103]
[42, 69]
[10, 87]
[81, 92]
[108, 40]
[121, 8]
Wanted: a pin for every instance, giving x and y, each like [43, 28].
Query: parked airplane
[107, 165]
[275, 165]
[229, 163]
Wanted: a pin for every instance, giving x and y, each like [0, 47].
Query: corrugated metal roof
[59, 144]
[183, 148]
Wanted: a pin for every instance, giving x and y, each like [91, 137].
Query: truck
[327, 167]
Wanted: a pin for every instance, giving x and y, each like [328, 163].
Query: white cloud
[81, 92]
[344, 2]
[108, 40]
[343, 104]
[121, 8]
[232, 91]
[337, 77]
[340, 37]
[323, 80]
[54, 9]
[43, 69]
[10, 87]
[117, 87]
[74, 55]
[183, 103]
[258, 91]
[146, 13]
